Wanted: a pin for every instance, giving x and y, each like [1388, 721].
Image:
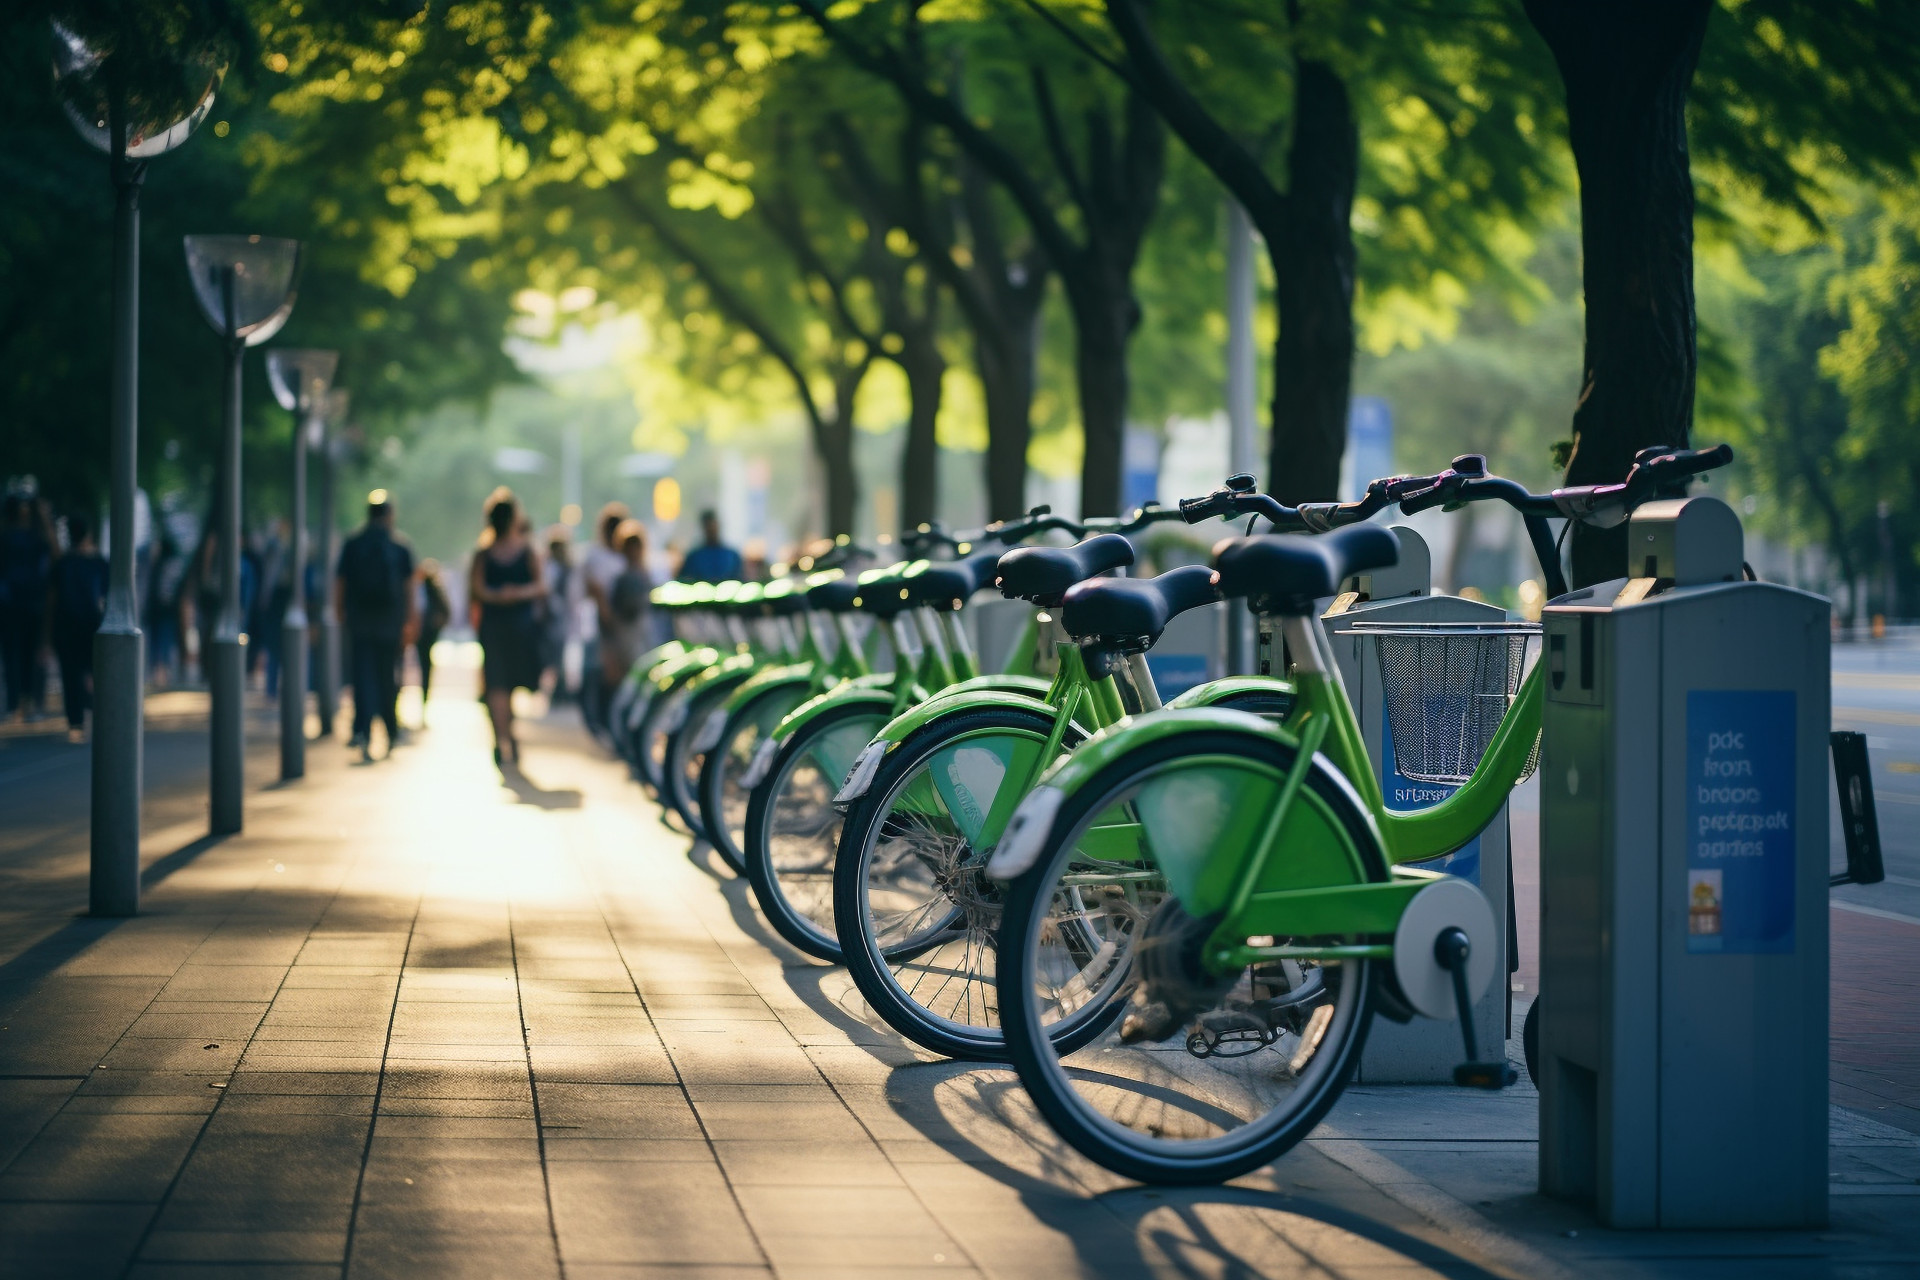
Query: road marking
[1875, 715]
[1875, 680]
[1905, 766]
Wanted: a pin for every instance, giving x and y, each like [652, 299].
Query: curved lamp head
[300, 376]
[78, 75]
[244, 284]
[271, 327]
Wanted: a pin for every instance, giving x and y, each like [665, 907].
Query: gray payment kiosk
[1422, 1051]
[1683, 1025]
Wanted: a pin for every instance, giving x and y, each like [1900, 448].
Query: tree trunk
[835, 446]
[1627, 68]
[1102, 326]
[1313, 269]
[1006, 384]
[920, 456]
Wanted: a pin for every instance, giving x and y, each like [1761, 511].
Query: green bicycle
[1243, 882]
[792, 832]
[929, 796]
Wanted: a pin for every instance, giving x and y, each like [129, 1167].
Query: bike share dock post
[1421, 1051]
[1683, 1034]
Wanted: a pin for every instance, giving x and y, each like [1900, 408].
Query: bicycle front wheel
[916, 912]
[723, 793]
[793, 830]
[1210, 1074]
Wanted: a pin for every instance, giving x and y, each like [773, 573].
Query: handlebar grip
[1423, 500]
[1194, 510]
[1692, 462]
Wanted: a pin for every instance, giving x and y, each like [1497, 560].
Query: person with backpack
[26, 558]
[77, 601]
[626, 631]
[436, 611]
[373, 594]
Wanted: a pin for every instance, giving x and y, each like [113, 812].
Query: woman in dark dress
[506, 581]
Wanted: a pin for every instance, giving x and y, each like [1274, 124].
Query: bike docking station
[1684, 851]
[1394, 640]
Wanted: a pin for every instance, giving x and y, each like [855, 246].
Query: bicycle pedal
[1485, 1075]
[1229, 1035]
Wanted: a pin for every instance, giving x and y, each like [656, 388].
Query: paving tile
[245, 1246]
[101, 1157]
[198, 1270]
[61, 1241]
[453, 1255]
[203, 1026]
[617, 1111]
[652, 1213]
[241, 1210]
[603, 1064]
[295, 1080]
[805, 1163]
[174, 1054]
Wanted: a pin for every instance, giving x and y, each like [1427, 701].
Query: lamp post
[300, 380]
[96, 103]
[244, 285]
[333, 416]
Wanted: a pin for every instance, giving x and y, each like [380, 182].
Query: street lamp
[333, 416]
[300, 380]
[244, 285]
[96, 101]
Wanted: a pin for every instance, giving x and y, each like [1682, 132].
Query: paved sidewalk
[417, 1023]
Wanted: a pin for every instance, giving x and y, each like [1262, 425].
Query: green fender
[1205, 865]
[876, 688]
[735, 667]
[759, 682]
[1071, 771]
[969, 695]
[676, 671]
[1214, 692]
[643, 665]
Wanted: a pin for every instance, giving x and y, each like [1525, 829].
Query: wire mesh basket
[1448, 685]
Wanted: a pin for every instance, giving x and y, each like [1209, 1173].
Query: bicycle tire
[869, 959]
[1106, 1141]
[799, 927]
[722, 767]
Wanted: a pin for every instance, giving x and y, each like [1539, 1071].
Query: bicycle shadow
[980, 1114]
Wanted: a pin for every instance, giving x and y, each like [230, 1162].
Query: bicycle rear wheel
[1245, 1064]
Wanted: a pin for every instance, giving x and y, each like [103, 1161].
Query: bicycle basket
[1448, 685]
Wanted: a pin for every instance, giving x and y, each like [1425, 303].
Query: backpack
[628, 599]
[79, 592]
[374, 579]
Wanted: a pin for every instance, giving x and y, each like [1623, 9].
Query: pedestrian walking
[373, 594]
[77, 602]
[26, 560]
[505, 581]
[628, 631]
[713, 560]
[556, 611]
[603, 564]
[436, 610]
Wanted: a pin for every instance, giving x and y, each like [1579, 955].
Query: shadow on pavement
[530, 792]
[68, 941]
[1056, 1193]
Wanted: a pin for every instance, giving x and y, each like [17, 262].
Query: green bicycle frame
[1286, 867]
